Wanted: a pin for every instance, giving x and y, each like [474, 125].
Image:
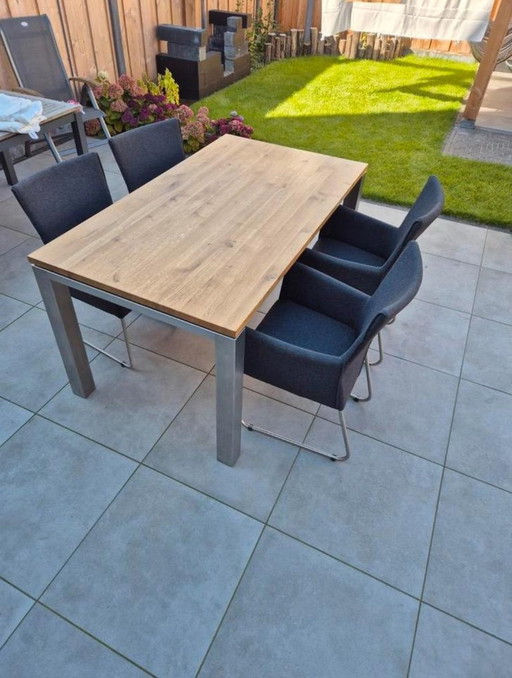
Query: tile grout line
[436, 512]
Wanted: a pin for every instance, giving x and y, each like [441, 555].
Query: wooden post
[354, 46]
[314, 40]
[342, 45]
[300, 42]
[370, 38]
[294, 32]
[268, 52]
[283, 37]
[321, 46]
[483, 75]
[348, 46]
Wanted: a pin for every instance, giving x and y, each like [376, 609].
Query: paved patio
[126, 550]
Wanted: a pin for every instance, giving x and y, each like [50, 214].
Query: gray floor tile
[46, 646]
[375, 512]
[12, 216]
[187, 452]
[276, 416]
[429, 335]
[12, 418]
[10, 309]
[172, 342]
[130, 409]
[454, 240]
[498, 251]
[488, 359]
[10, 239]
[31, 369]
[54, 484]
[299, 613]
[16, 277]
[469, 572]
[448, 648]
[481, 438]
[14, 605]
[156, 574]
[494, 296]
[448, 282]
[411, 408]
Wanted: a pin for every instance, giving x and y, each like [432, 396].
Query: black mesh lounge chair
[359, 250]
[59, 198]
[34, 57]
[144, 153]
[314, 340]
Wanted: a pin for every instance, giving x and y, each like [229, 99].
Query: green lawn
[393, 115]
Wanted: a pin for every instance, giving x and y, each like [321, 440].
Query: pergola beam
[488, 62]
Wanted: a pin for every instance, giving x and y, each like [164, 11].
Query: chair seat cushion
[342, 250]
[301, 326]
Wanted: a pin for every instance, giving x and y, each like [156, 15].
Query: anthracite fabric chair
[314, 340]
[35, 59]
[146, 152]
[59, 198]
[359, 250]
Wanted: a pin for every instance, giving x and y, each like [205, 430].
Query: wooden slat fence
[83, 32]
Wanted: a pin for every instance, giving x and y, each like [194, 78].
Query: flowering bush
[232, 125]
[128, 103]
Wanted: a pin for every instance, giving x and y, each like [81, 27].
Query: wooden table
[58, 113]
[199, 247]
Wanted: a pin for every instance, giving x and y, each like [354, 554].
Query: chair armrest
[295, 369]
[362, 277]
[320, 292]
[88, 85]
[26, 90]
[360, 230]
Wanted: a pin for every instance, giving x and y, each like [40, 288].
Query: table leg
[8, 167]
[79, 134]
[229, 361]
[61, 313]
[352, 198]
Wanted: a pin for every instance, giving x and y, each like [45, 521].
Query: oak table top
[208, 240]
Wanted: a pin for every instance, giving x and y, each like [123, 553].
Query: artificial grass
[393, 115]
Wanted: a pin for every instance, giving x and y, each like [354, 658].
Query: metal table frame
[229, 353]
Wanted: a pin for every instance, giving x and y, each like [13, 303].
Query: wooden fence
[84, 36]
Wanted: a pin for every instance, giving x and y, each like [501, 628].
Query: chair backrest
[397, 289]
[62, 196]
[34, 56]
[427, 207]
[146, 152]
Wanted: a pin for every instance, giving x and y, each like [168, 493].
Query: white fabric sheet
[423, 19]
[19, 115]
[335, 16]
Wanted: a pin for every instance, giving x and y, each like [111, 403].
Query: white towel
[20, 115]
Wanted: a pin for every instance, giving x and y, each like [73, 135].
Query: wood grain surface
[208, 240]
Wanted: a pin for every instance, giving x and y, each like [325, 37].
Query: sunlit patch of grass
[393, 115]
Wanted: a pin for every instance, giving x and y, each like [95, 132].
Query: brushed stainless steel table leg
[61, 313]
[229, 362]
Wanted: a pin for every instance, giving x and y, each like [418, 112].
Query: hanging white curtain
[335, 16]
[423, 19]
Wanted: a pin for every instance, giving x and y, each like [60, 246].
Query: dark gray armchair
[314, 340]
[59, 198]
[146, 152]
[359, 250]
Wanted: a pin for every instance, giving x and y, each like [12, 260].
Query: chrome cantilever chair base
[316, 450]
[123, 363]
[329, 455]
